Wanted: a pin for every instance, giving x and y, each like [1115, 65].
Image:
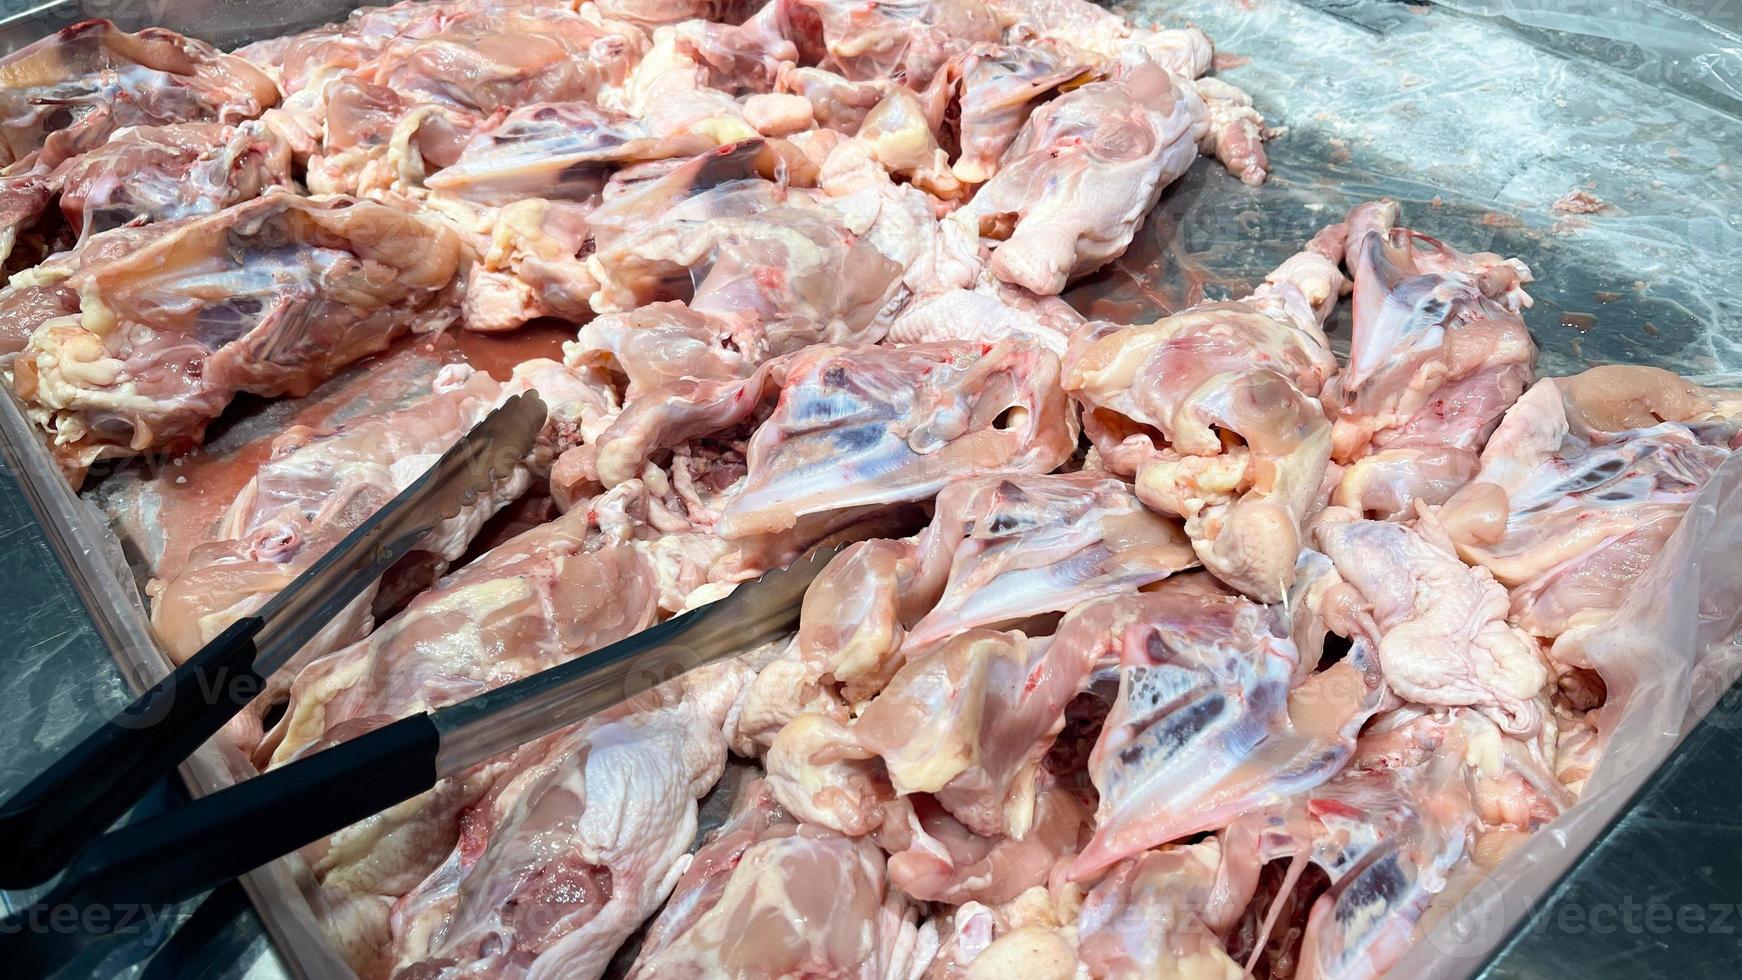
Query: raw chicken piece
[822, 776]
[317, 485]
[777, 271]
[1001, 549]
[1099, 32]
[1162, 914]
[770, 897]
[1370, 915]
[586, 579]
[1512, 782]
[904, 41]
[1087, 166]
[837, 103]
[1212, 411]
[555, 151]
[160, 173]
[953, 295]
[783, 689]
[526, 185]
[1029, 936]
[1018, 546]
[1438, 625]
[1386, 836]
[577, 842]
[37, 295]
[531, 266]
[1439, 353]
[1390, 838]
[1235, 134]
[969, 721]
[854, 428]
[1088, 34]
[902, 140]
[935, 858]
[488, 59]
[655, 345]
[268, 297]
[999, 88]
[1212, 718]
[378, 143]
[655, 12]
[698, 56]
[68, 92]
[858, 611]
[314, 488]
[557, 591]
[989, 312]
[1581, 485]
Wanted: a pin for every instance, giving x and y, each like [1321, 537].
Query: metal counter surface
[57, 681]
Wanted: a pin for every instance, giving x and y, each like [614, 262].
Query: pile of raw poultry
[1164, 649]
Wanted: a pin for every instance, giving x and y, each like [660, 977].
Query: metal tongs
[200, 845]
[98, 780]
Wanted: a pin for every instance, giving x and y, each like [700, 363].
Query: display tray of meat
[1283, 451]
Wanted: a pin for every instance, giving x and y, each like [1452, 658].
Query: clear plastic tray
[1478, 114]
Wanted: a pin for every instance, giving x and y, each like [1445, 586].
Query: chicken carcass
[656, 345]
[314, 488]
[1398, 839]
[267, 297]
[960, 711]
[904, 41]
[545, 597]
[771, 897]
[774, 270]
[379, 144]
[1163, 913]
[1439, 626]
[68, 92]
[1008, 547]
[317, 485]
[500, 57]
[1581, 485]
[1085, 169]
[854, 428]
[1439, 353]
[527, 185]
[160, 173]
[999, 88]
[1213, 412]
[934, 857]
[969, 721]
[577, 842]
[1104, 35]
[37, 295]
[553, 151]
[1216, 714]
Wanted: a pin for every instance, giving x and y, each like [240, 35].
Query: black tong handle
[201, 845]
[89, 788]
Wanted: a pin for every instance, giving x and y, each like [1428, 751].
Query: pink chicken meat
[1171, 648]
[1439, 353]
